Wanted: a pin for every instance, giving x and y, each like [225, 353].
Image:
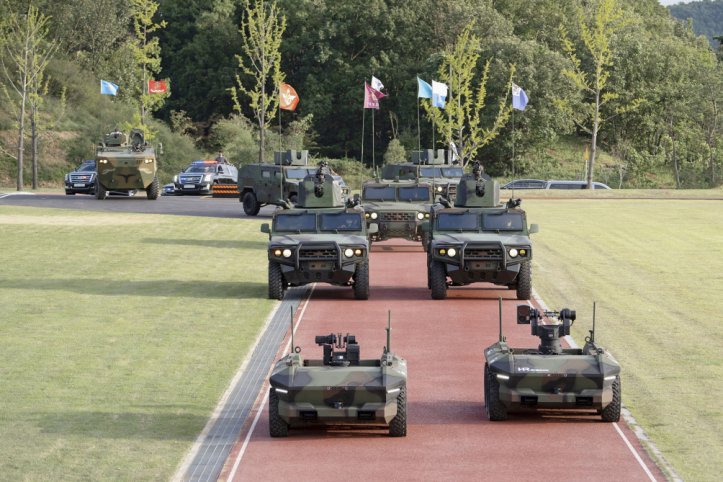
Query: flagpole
[364, 115]
[419, 132]
[513, 148]
[374, 164]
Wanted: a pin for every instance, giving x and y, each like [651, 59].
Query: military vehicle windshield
[299, 173]
[460, 221]
[386, 193]
[295, 223]
[502, 222]
[441, 172]
[340, 222]
[201, 168]
[414, 193]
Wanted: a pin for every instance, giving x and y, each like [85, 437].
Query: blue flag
[519, 97]
[424, 90]
[108, 88]
[439, 94]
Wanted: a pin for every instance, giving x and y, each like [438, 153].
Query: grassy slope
[119, 335]
[655, 268]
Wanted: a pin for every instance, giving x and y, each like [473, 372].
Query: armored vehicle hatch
[433, 167]
[125, 166]
[549, 376]
[341, 388]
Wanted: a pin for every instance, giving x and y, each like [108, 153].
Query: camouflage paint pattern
[576, 378]
[442, 185]
[312, 393]
[121, 165]
[399, 218]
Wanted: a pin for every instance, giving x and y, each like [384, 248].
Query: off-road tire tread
[398, 425]
[361, 281]
[277, 426]
[438, 280]
[251, 204]
[426, 237]
[276, 281]
[153, 190]
[524, 281]
[611, 413]
[100, 191]
[494, 409]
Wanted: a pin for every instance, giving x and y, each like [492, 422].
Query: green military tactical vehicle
[480, 240]
[277, 183]
[124, 166]
[321, 240]
[400, 208]
[551, 377]
[340, 389]
[436, 169]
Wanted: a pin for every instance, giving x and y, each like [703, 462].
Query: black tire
[425, 241]
[611, 413]
[494, 409]
[438, 280]
[251, 204]
[277, 426]
[153, 190]
[293, 198]
[100, 191]
[361, 281]
[524, 281]
[276, 281]
[68, 193]
[398, 425]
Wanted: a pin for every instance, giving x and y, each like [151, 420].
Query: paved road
[449, 437]
[178, 205]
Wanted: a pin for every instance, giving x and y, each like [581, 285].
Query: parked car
[553, 184]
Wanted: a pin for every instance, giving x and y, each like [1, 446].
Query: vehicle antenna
[388, 348]
[291, 320]
[592, 333]
[502, 338]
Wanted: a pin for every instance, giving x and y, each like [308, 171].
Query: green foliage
[395, 152]
[706, 17]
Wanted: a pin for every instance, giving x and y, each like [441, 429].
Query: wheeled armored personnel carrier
[324, 239]
[339, 389]
[433, 167]
[124, 165]
[480, 240]
[400, 208]
[549, 376]
[278, 183]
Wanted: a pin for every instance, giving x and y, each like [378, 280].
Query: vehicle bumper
[299, 413]
[520, 398]
[410, 230]
[193, 188]
[80, 188]
[313, 272]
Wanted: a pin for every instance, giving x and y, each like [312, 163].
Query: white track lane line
[241, 452]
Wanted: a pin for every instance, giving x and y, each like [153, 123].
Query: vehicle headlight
[175, 179]
[420, 216]
[286, 253]
[208, 177]
[103, 161]
[523, 252]
[442, 251]
[66, 178]
[513, 252]
[358, 252]
[426, 215]
[147, 161]
[277, 252]
[373, 215]
[440, 188]
[451, 252]
[348, 252]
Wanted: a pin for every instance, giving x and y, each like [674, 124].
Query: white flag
[439, 94]
[377, 84]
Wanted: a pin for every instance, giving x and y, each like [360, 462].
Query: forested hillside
[706, 15]
[660, 111]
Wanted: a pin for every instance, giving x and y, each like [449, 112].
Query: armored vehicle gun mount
[341, 389]
[549, 376]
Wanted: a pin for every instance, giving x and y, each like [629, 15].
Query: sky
[673, 2]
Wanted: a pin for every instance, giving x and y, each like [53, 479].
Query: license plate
[78, 184]
[189, 186]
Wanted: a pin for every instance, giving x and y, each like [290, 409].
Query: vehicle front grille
[487, 253]
[195, 179]
[317, 253]
[397, 217]
[86, 177]
[452, 189]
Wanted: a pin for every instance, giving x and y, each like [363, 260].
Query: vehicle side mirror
[534, 228]
[373, 228]
[524, 314]
[265, 228]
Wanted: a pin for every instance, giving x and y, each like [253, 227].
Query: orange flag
[157, 86]
[288, 98]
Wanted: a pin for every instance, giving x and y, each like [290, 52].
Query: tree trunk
[593, 143]
[34, 144]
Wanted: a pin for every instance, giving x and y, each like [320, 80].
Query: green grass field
[119, 334]
[655, 268]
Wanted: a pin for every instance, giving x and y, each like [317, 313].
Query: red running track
[448, 434]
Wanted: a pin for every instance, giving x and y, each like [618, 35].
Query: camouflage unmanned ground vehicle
[200, 176]
[277, 183]
[124, 166]
[436, 169]
[480, 240]
[400, 208]
[340, 389]
[321, 240]
[550, 377]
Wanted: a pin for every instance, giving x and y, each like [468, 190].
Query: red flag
[157, 87]
[288, 98]
[371, 97]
